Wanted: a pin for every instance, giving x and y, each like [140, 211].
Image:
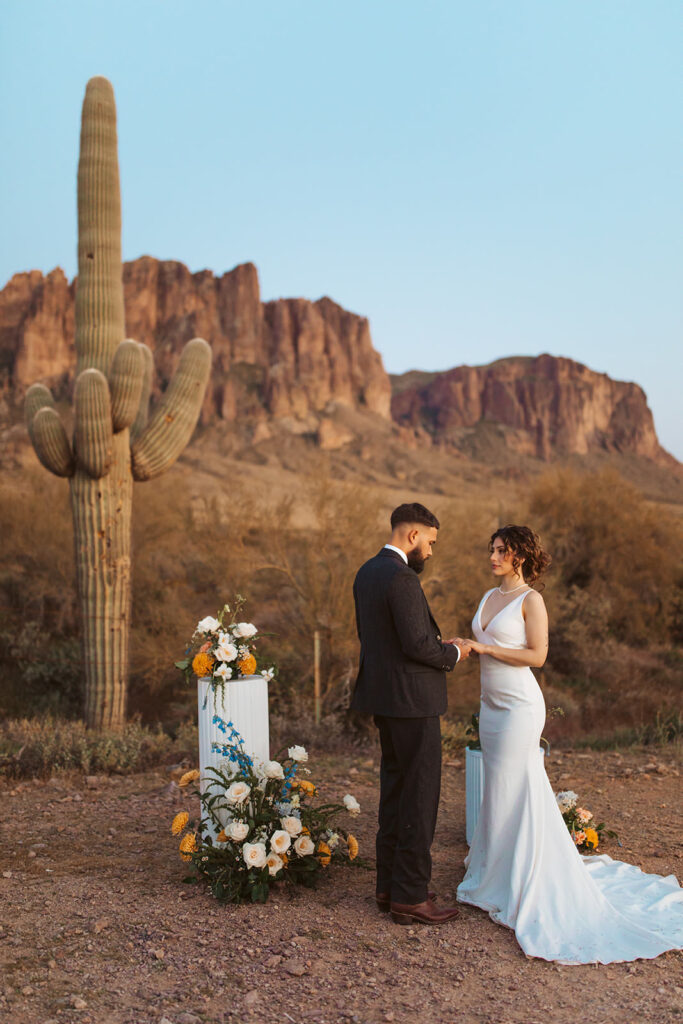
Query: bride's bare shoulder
[534, 600]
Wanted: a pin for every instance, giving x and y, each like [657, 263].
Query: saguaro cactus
[113, 443]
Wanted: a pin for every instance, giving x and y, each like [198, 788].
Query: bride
[523, 867]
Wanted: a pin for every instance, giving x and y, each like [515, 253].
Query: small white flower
[273, 770]
[237, 831]
[244, 629]
[280, 841]
[237, 793]
[274, 863]
[208, 625]
[298, 754]
[304, 846]
[566, 800]
[225, 651]
[351, 804]
[254, 855]
[291, 825]
[333, 841]
[223, 672]
[295, 800]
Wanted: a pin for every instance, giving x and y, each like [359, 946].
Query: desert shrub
[41, 746]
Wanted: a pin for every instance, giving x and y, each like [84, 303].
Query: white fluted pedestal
[242, 701]
[474, 789]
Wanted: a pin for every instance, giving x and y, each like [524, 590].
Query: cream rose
[274, 863]
[291, 825]
[225, 651]
[237, 831]
[208, 625]
[244, 629]
[304, 846]
[273, 770]
[280, 841]
[298, 754]
[351, 804]
[254, 855]
[237, 793]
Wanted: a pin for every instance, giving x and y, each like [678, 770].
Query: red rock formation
[295, 362]
[552, 405]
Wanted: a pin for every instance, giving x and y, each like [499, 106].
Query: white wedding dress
[523, 867]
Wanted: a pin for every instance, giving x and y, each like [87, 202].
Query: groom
[401, 681]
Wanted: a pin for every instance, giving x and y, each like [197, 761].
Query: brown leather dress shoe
[423, 913]
[383, 900]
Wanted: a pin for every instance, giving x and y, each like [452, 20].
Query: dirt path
[97, 927]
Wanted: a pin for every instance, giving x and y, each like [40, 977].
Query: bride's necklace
[512, 590]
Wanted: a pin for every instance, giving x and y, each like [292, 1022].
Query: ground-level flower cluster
[268, 823]
[580, 822]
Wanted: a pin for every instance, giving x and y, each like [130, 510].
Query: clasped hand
[466, 646]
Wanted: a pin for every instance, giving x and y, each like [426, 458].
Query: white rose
[237, 831]
[223, 672]
[225, 651]
[298, 754]
[291, 825]
[280, 841]
[351, 804]
[254, 855]
[273, 770]
[304, 846]
[208, 625]
[274, 863]
[244, 629]
[237, 793]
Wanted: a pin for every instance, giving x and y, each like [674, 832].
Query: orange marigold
[352, 843]
[188, 777]
[221, 837]
[179, 822]
[202, 664]
[592, 837]
[305, 786]
[247, 666]
[324, 854]
[188, 845]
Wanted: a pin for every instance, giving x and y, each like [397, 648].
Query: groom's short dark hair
[413, 512]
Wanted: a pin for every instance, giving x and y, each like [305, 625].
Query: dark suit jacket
[402, 657]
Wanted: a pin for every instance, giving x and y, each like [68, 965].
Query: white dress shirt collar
[398, 551]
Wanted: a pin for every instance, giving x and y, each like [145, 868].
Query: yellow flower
[324, 854]
[353, 846]
[179, 823]
[188, 777]
[202, 665]
[188, 845]
[247, 666]
[592, 837]
[305, 786]
[221, 837]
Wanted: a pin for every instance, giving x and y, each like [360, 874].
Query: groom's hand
[462, 646]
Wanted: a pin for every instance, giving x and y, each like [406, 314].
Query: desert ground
[98, 927]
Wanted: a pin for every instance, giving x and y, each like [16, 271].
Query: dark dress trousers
[401, 681]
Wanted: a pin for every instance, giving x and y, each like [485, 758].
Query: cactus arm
[51, 443]
[99, 291]
[93, 430]
[143, 408]
[172, 424]
[125, 384]
[37, 397]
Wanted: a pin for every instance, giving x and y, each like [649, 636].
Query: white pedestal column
[242, 701]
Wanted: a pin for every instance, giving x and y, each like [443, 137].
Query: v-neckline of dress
[484, 629]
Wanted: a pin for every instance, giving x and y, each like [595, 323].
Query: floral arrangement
[581, 824]
[223, 648]
[267, 824]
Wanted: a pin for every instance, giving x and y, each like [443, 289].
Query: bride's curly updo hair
[525, 547]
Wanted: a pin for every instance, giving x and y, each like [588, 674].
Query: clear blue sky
[478, 178]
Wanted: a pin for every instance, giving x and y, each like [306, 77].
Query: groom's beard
[415, 560]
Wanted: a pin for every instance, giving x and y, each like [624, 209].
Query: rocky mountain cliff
[310, 368]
